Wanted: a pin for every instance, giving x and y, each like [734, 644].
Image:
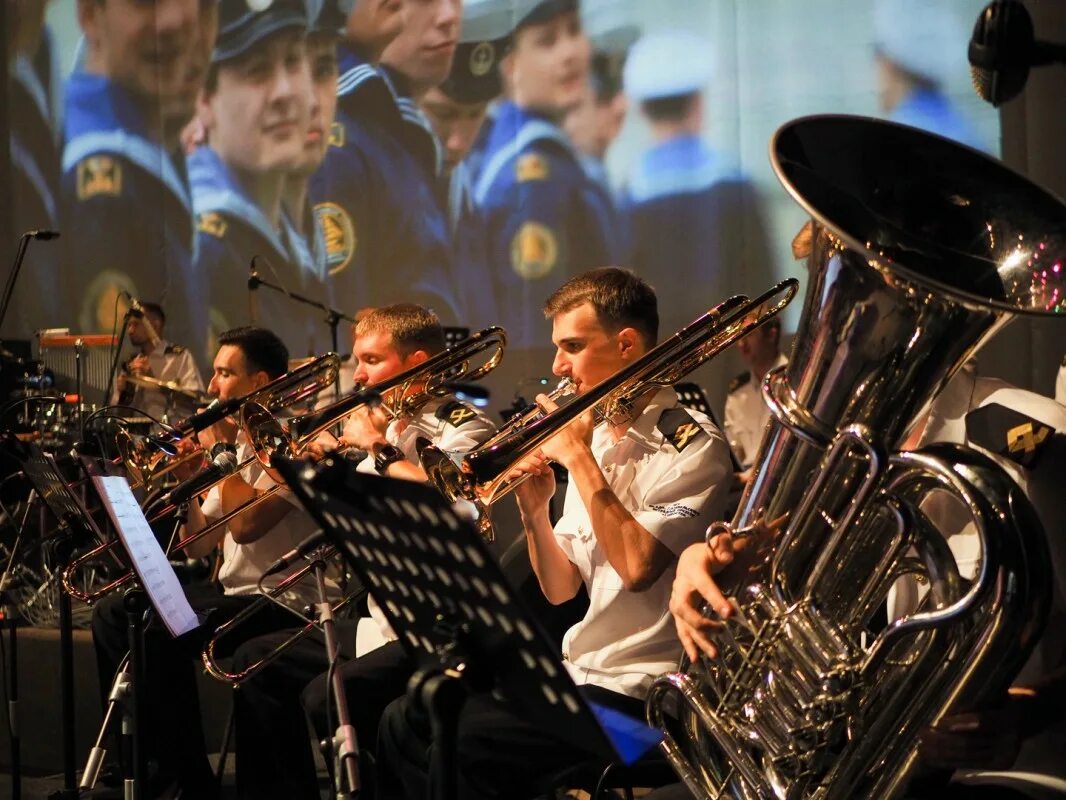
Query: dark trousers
[499, 753]
[274, 756]
[174, 737]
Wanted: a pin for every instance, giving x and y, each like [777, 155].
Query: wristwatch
[385, 455]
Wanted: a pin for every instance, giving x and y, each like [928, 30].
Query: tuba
[922, 250]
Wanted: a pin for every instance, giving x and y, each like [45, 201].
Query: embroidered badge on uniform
[738, 381]
[174, 349]
[534, 251]
[456, 413]
[212, 223]
[1010, 433]
[338, 234]
[482, 58]
[99, 175]
[531, 167]
[337, 134]
[679, 428]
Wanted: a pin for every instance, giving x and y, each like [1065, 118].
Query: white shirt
[167, 362]
[437, 422]
[746, 415]
[1043, 485]
[628, 638]
[243, 564]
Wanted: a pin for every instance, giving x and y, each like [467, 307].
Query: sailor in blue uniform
[126, 209]
[456, 110]
[691, 216]
[256, 111]
[387, 238]
[919, 45]
[39, 299]
[547, 220]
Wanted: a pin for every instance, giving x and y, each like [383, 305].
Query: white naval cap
[487, 20]
[609, 25]
[667, 64]
[925, 37]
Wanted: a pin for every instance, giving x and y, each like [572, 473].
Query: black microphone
[44, 235]
[1003, 48]
[225, 463]
[298, 553]
[216, 410]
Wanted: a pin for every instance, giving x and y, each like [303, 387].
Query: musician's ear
[416, 358]
[628, 341]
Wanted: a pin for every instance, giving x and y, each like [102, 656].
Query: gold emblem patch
[683, 434]
[338, 235]
[456, 413]
[482, 58]
[99, 175]
[531, 167]
[1023, 439]
[534, 251]
[212, 223]
[337, 135]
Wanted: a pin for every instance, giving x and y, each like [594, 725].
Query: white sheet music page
[149, 561]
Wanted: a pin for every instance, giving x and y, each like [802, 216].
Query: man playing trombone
[274, 757]
[248, 358]
[641, 489]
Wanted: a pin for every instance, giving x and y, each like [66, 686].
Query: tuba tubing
[922, 251]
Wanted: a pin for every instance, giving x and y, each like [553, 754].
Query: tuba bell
[922, 250]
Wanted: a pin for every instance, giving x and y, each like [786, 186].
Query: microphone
[44, 236]
[298, 553]
[216, 410]
[253, 284]
[1003, 48]
[225, 463]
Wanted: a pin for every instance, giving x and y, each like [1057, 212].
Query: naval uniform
[170, 363]
[692, 220]
[746, 415]
[547, 220]
[40, 301]
[126, 211]
[671, 470]
[231, 230]
[268, 712]
[387, 237]
[1060, 383]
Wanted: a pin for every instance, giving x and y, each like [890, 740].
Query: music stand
[445, 596]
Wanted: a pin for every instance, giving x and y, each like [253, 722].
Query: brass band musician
[387, 341]
[640, 490]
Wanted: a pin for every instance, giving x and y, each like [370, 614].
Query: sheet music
[149, 561]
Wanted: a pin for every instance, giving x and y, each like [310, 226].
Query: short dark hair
[620, 298]
[262, 349]
[411, 327]
[155, 310]
[669, 109]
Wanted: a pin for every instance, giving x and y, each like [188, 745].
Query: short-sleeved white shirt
[452, 426]
[171, 364]
[627, 638]
[746, 415]
[243, 564]
[1060, 384]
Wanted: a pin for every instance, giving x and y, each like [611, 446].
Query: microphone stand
[333, 316]
[115, 361]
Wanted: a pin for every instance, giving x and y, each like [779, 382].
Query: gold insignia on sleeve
[212, 223]
[482, 58]
[99, 175]
[456, 413]
[338, 235]
[1024, 439]
[534, 251]
[337, 134]
[531, 167]
[683, 434]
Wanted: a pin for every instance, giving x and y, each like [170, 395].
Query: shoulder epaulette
[455, 413]
[739, 381]
[679, 427]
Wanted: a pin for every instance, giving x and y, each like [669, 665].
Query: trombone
[400, 396]
[481, 476]
[288, 389]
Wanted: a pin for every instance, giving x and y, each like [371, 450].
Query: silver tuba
[922, 250]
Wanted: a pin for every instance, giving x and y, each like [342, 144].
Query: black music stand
[74, 523]
[443, 593]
